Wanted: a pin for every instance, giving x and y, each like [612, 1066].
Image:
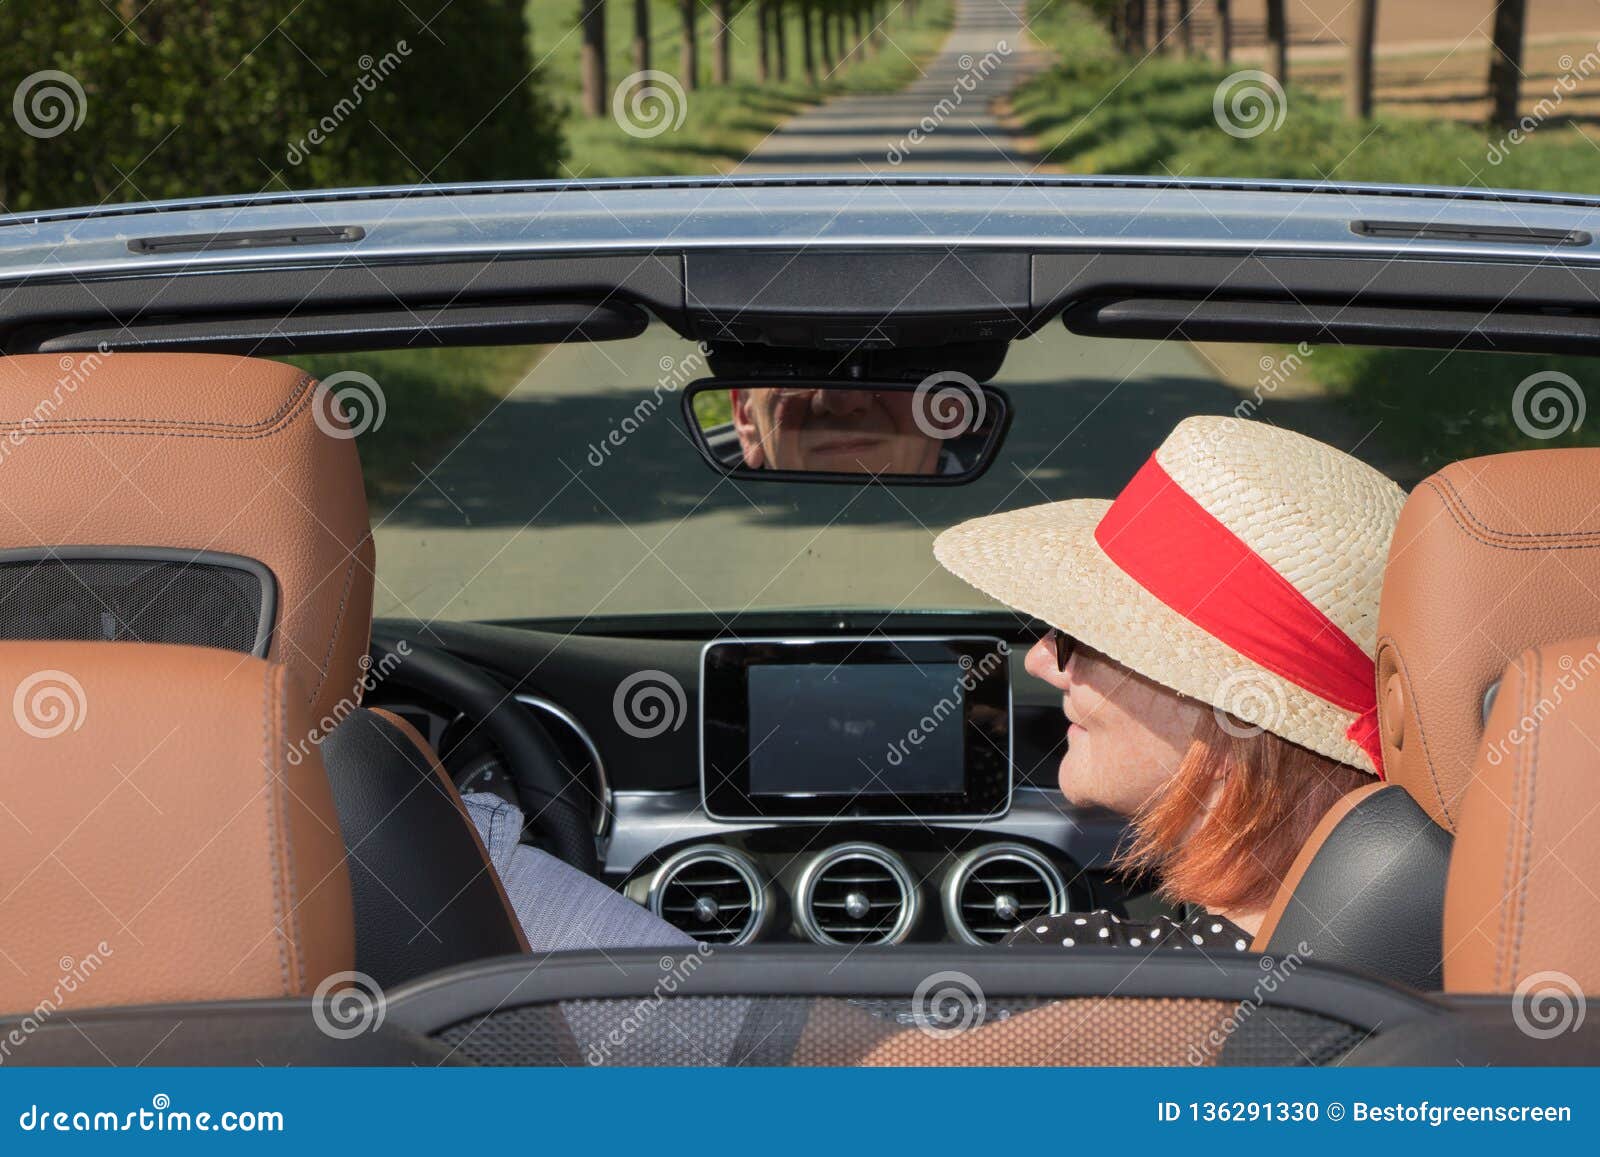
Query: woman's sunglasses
[1064, 644]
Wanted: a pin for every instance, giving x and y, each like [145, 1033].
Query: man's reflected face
[832, 430]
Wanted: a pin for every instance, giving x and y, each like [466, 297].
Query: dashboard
[820, 783]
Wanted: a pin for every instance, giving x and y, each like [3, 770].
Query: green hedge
[180, 99]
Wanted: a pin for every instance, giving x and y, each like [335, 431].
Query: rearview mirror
[942, 431]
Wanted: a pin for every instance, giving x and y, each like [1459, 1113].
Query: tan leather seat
[131, 452]
[200, 452]
[1524, 890]
[1490, 555]
[160, 844]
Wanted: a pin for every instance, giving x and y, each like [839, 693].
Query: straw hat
[1246, 628]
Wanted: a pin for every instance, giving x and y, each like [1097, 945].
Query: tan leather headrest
[198, 452]
[1491, 555]
[1525, 873]
[168, 835]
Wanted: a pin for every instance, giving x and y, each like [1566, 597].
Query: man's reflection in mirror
[840, 431]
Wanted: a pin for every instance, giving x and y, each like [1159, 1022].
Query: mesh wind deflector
[830, 1031]
[124, 595]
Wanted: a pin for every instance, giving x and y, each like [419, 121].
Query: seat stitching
[268, 716]
[297, 945]
[1507, 886]
[1536, 539]
[296, 396]
[338, 618]
[135, 427]
[1525, 868]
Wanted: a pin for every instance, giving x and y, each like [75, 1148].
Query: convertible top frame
[846, 264]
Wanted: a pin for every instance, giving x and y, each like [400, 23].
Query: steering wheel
[545, 792]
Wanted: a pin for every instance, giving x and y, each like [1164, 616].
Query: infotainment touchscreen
[855, 715]
[870, 728]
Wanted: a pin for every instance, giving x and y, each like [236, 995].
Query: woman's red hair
[1270, 793]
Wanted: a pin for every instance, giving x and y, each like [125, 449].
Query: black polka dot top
[1203, 932]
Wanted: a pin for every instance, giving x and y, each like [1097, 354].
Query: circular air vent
[992, 890]
[856, 894]
[713, 893]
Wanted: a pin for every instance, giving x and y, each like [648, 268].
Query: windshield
[522, 482]
[563, 483]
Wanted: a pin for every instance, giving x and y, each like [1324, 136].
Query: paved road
[523, 518]
[941, 122]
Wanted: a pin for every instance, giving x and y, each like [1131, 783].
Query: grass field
[1091, 114]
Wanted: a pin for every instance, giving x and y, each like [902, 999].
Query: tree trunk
[1505, 61]
[1224, 31]
[1358, 87]
[1278, 39]
[689, 54]
[722, 42]
[593, 57]
[641, 35]
[780, 30]
[808, 49]
[1136, 27]
[1161, 26]
[858, 27]
[1186, 27]
[763, 43]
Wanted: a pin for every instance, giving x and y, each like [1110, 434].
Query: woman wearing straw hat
[1213, 633]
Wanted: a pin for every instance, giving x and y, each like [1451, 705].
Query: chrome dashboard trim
[886, 858]
[742, 866]
[649, 822]
[956, 878]
[1011, 772]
